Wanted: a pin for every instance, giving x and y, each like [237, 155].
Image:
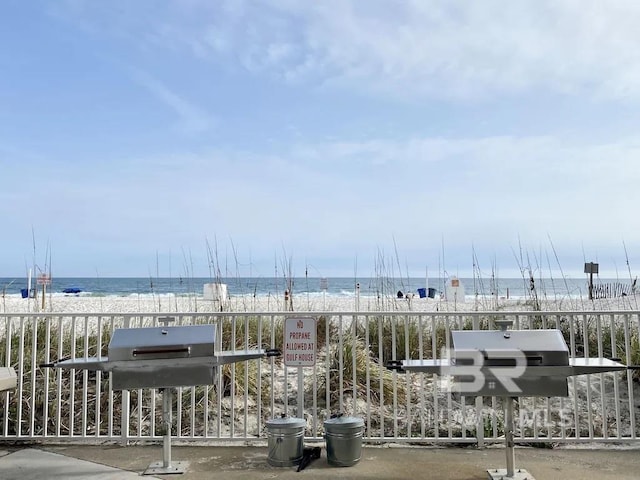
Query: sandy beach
[302, 303]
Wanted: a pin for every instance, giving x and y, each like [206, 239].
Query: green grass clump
[411, 339]
[357, 365]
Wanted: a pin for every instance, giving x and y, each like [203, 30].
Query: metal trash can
[285, 438]
[344, 440]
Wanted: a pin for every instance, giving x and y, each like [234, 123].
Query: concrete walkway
[35, 464]
[111, 462]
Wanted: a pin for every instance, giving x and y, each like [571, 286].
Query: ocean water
[341, 287]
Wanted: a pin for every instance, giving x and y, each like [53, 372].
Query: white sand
[301, 303]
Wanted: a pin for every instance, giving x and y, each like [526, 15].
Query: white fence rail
[350, 377]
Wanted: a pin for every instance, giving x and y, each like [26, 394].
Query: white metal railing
[350, 376]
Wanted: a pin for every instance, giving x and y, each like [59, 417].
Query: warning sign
[300, 342]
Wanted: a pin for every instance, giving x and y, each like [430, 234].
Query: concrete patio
[111, 462]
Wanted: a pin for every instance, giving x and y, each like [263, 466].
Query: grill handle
[138, 352]
[532, 361]
[53, 363]
[395, 365]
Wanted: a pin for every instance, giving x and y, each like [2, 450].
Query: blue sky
[347, 137]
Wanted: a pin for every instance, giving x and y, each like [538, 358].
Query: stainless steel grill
[163, 357]
[509, 364]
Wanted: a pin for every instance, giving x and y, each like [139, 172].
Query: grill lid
[504, 348]
[162, 342]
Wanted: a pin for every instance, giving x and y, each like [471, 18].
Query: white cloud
[537, 185]
[191, 119]
[485, 192]
[419, 48]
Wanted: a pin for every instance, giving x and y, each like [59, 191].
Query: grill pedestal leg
[508, 436]
[166, 466]
[510, 473]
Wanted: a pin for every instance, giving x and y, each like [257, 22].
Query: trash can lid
[286, 422]
[343, 422]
